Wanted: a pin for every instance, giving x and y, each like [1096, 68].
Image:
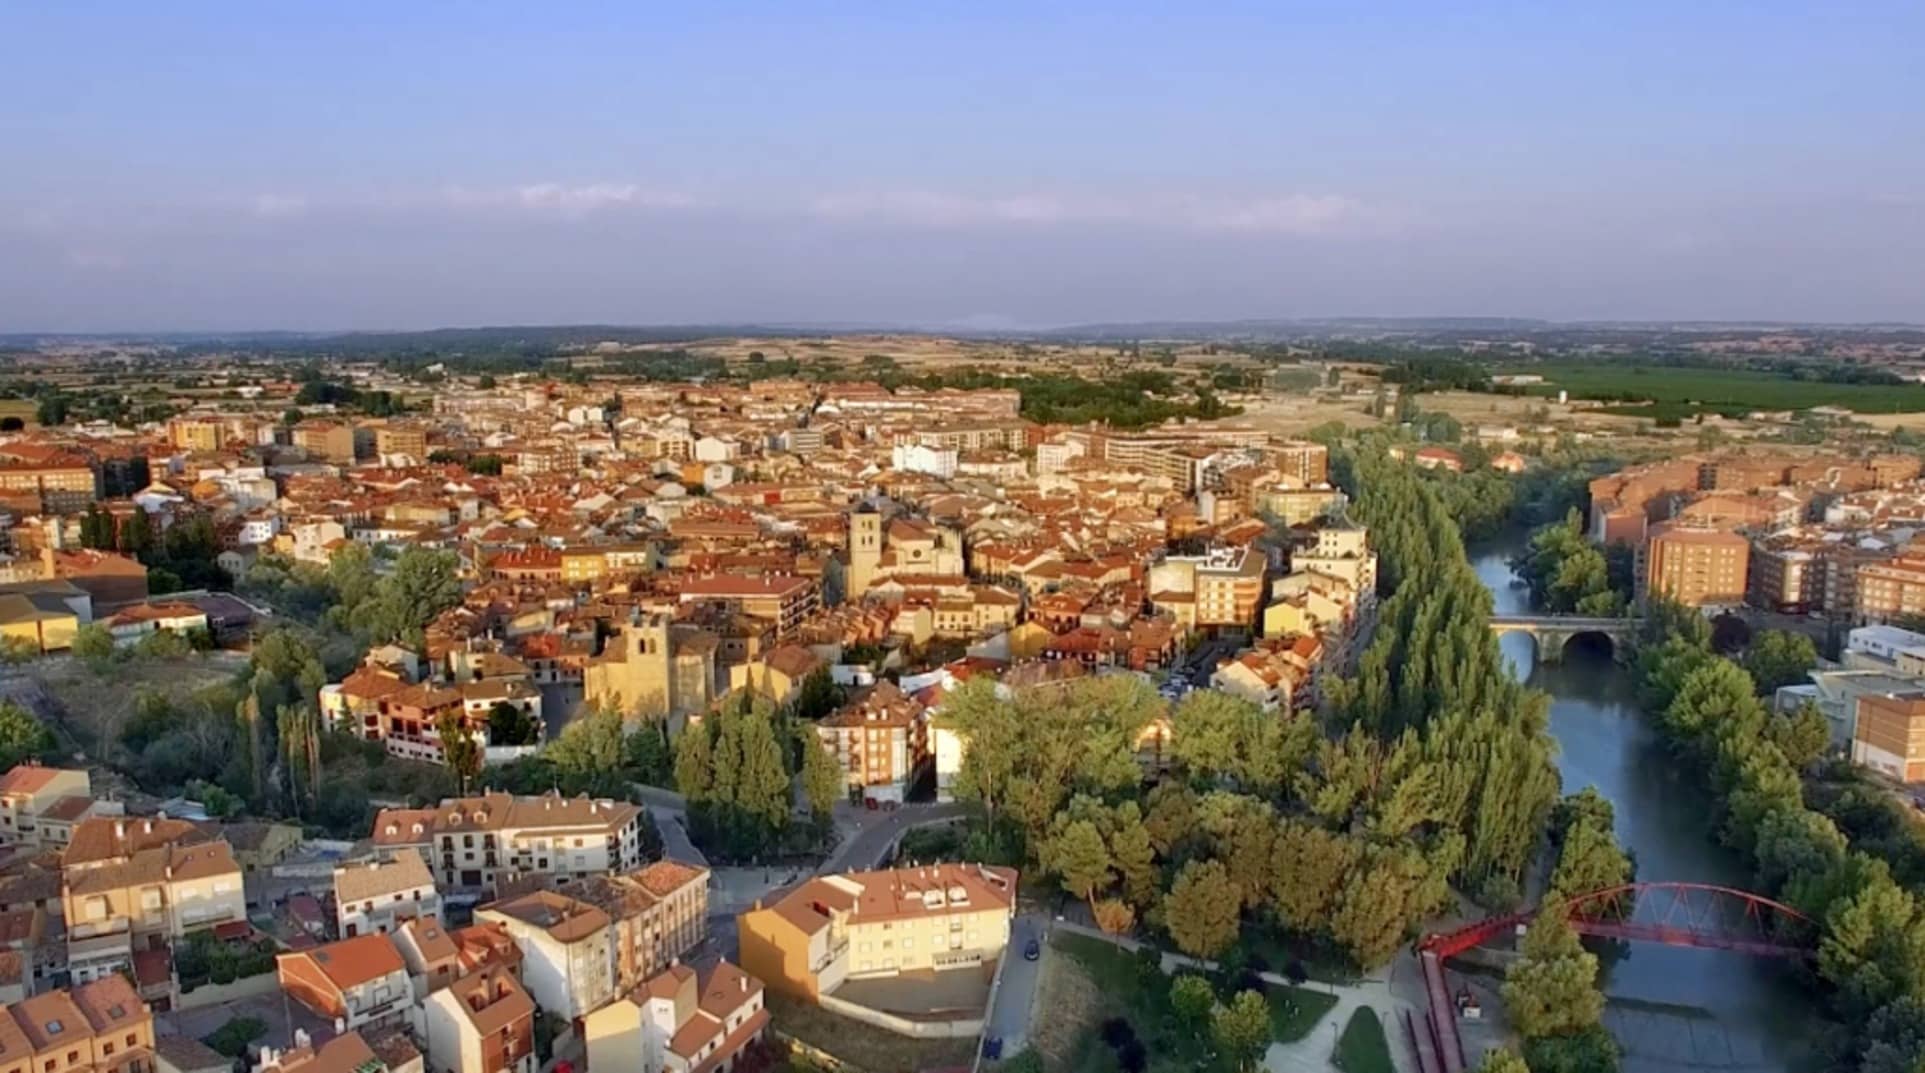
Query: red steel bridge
[1696, 915]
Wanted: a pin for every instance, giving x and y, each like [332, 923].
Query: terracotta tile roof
[564, 918]
[27, 779]
[352, 962]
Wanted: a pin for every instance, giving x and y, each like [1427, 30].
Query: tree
[1588, 1050]
[1309, 865]
[1201, 910]
[94, 644]
[1552, 988]
[822, 778]
[1077, 855]
[163, 645]
[22, 735]
[1241, 1028]
[1779, 658]
[459, 750]
[1114, 916]
[818, 696]
[17, 650]
[1502, 1062]
[509, 724]
[1803, 736]
[1589, 860]
[1192, 999]
[1134, 856]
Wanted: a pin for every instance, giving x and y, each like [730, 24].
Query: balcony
[836, 953]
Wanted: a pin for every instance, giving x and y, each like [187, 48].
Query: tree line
[1782, 807]
[1430, 767]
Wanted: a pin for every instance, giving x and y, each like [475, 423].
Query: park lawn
[1294, 1011]
[1362, 1048]
[1145, 1000]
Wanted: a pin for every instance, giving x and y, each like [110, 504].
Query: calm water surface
[1672, 1009]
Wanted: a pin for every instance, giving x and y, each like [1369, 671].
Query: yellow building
[195, 433]
[325, 440]
[877, 924]
[590, 563]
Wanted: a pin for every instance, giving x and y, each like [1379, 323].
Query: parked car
[1032, 950]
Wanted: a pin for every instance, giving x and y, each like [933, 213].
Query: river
[1672, 1009]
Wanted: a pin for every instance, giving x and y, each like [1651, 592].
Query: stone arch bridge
[1553, 632]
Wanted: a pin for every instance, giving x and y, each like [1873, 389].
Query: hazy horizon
[360, 167]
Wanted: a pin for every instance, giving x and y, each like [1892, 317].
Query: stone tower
[865, 550]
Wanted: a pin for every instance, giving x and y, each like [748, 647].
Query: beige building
[659, 913]
[875, 924]
[1888, 589]
[35, 803]
[654, 669]
[401, 443]
[1696, 567]
[679, 1022]
[376, 897]
[131, 884]
[325, 441]
[567, 950]
[96, 1027]
[1889, 734]
[473, 843]
[354, 983]
[481, 1023]
[879, 739]
[1223, 588]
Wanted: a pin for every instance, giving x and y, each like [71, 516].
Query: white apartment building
[472, 843]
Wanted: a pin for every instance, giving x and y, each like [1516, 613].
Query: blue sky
[234, 166]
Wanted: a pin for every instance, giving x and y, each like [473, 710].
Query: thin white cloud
[1283, 214]
[274, 205]
[567, 200]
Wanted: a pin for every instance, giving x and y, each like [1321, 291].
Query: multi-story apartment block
[781, 600]
[1786, 573]
[64, 483]
[138, 884]
[1222, 588]
[880, 739]
[1696, 567]
[326, 441]
[1889, 588]
[376, 897]
[481, 1023]
[354, 983]
[97, 1027]
[874, 924]
[36, 802]
[659, 913]
[1889, 734]
[679, 1022]
[567, 950]
[473, 843]
[400, 442]
[203, 433]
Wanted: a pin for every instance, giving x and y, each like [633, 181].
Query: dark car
[1032, 950]
[993, 1048]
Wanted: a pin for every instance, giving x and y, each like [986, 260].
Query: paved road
[875, 833]
[1016, 993]
[675, 841]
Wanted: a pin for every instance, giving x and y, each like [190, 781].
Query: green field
[1362, 1048]
[1678, 390]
